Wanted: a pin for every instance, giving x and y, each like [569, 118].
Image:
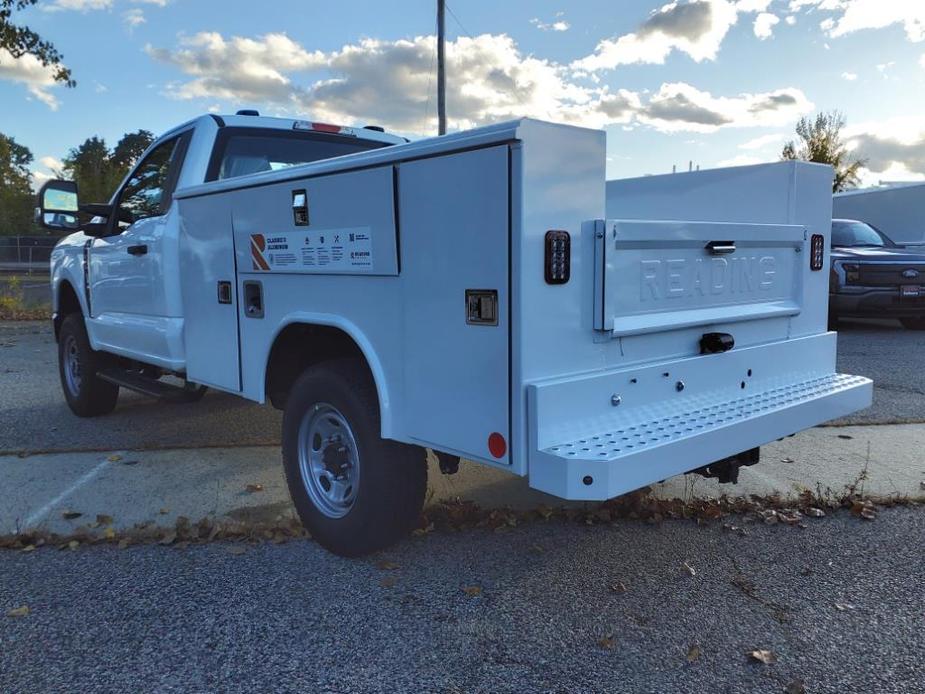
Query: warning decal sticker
[321, 250]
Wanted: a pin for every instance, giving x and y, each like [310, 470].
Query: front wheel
[86, 393]
[913, 323]
[354, 491]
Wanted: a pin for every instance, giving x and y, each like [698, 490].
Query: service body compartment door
[455, 235]
[210, 302]
[659, 276]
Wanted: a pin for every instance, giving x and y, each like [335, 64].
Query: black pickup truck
[872, 277]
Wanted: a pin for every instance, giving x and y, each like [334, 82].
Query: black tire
[913, 323]
[391, 476]
[87, 395]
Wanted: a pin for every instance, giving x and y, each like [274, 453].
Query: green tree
[820, 141]
[97, 170]
[16, 199]
[21, 40]
[90, 166]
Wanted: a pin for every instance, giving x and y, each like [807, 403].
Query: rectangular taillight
[558, 257]
[816, 252]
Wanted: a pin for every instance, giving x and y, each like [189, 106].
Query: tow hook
[727, 469]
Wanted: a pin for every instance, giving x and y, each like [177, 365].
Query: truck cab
[132, 259]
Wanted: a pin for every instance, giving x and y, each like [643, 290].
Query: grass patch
[13, 305]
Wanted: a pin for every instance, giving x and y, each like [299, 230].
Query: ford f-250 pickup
[485, 294]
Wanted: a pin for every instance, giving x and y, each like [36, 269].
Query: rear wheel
[913, 323]
[87, 395]
[354, 491]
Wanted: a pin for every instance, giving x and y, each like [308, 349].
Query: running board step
[149, 386]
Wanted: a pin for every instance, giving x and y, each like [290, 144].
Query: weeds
[13, 304]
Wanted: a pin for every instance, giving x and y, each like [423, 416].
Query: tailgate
[656, 276]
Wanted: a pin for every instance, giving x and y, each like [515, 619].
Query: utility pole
[441, 67]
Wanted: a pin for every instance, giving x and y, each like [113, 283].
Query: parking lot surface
[33, 416]
[545, 607]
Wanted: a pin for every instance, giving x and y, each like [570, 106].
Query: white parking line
[47, 508]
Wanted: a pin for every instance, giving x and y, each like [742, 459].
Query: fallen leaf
[18, 611]
[169, 538]
[788, 460]
[71, 515]
[251, 488]
[814, 512]
[124, 543]
[103, 519]
[164, 511]
[72, 545]
[237, 550]
[388, 581]
[693, 653]
[109, 534]
[845, 436]
[472, 591]
[867, 513]
[795, 687]
[28, 548]
[607, 643]
[690, 569]
[387, 565]
[418, 532]
[130, 462]
[763, 656]
[536, 549]
[114, 458]
[842, 606]
[618, 587]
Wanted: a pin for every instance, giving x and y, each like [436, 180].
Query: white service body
[597, 386]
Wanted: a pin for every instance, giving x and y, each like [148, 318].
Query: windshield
[249, 151]
[858, 234]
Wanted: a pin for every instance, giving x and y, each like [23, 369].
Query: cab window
[144, 193]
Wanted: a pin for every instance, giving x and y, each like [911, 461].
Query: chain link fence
[27, 255]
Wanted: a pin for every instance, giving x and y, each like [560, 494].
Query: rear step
[691, 422]
[151, 387]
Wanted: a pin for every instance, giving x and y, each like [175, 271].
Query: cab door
[130, 269]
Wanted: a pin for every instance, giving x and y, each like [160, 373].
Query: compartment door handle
[721, 247]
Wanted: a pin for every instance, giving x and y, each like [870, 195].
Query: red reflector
[326, 127]
[497, 446]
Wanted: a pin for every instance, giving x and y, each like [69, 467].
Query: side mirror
[57, 205]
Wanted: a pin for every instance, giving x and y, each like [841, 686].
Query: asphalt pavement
[544, 607]
[33, 416]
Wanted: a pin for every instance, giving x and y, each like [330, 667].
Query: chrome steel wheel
[72, 366]
[329, 460]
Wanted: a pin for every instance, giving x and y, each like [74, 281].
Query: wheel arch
[306, 339]
[66, 302]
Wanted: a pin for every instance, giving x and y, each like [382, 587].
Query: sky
[713, 82]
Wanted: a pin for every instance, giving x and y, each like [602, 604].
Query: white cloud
[790, 19]
[133, 18]
[894, 149]
[776, 139]
[849, 76]
[27, 70]
[51, 163]
[489, 79]
[922, 60]
[100, 88]
[697, 28]
[78, 5]
[764, 25]
[848, 16]
[557, 24]
[694, 27]
[680, 106]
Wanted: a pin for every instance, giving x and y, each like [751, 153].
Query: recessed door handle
[721, 247]
[137, 250]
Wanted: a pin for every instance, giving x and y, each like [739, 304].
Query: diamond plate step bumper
[620, 448]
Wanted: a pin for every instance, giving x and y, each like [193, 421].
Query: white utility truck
[486, 294]
[898, 210]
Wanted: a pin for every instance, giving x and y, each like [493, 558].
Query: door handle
[137, 250]
[721, 247]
